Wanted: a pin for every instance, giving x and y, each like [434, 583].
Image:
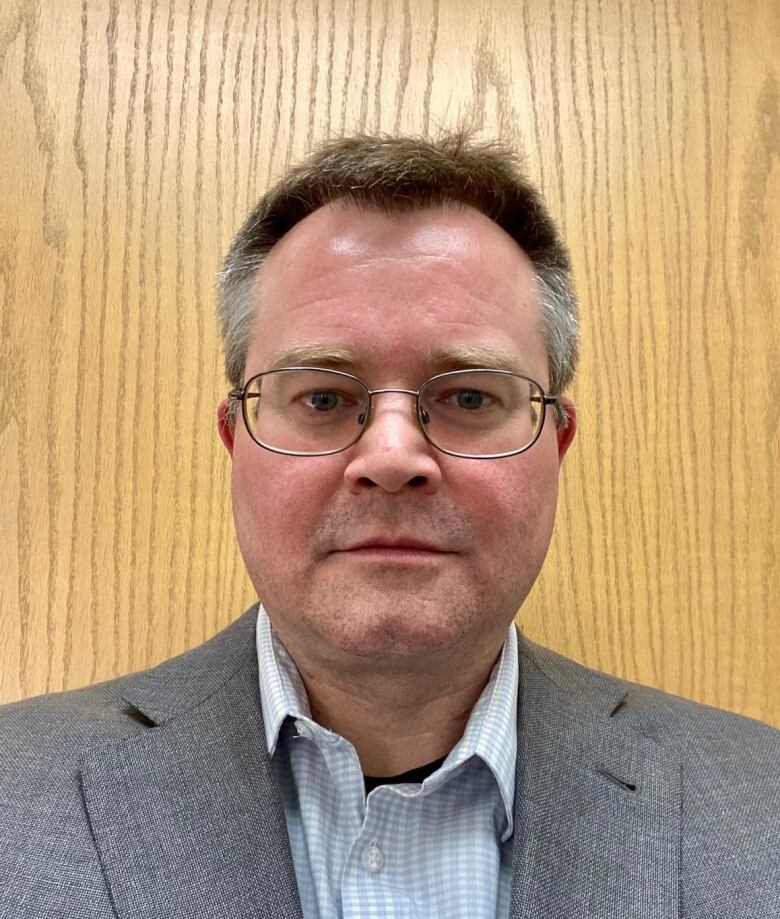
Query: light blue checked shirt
[437, 850]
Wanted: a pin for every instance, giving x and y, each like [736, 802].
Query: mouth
[394, 550]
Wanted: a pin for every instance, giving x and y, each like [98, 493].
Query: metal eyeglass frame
[239, 395]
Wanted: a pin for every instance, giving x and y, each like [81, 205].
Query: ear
[566, 434]
[226, 428]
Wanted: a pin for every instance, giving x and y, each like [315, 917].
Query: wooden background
[136, 135]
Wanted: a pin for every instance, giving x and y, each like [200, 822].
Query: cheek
[515, 508]
[276, 502]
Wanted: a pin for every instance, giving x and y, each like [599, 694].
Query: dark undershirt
[418, 774]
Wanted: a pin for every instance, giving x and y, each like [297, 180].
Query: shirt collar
[282, 692]
[490, 734]
[491, 731]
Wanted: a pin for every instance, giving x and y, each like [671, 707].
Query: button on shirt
[435, 849]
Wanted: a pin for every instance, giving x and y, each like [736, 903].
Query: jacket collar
[186, 815]
[187, 818]
[181, 683]
[597, 804]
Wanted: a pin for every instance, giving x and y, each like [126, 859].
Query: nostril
[416, 481]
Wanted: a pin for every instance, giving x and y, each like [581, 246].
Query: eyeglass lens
[476, 413]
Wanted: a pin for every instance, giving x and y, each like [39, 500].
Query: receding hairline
[345, 205]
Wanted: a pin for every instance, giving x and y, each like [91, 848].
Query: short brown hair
[403, 174]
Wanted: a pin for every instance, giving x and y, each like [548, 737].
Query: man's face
[394, 291]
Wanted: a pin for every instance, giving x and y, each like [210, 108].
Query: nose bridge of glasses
[380, 392]
[377, 392]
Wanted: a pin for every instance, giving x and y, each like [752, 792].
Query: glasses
[476, 414]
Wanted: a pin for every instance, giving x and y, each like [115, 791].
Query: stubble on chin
[383, 619]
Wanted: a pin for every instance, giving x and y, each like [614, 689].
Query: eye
[470, 400]
[322, 400]
[325, 401]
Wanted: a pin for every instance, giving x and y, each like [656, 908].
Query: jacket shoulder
[694, 729]
[60, 727]
[47, 853]
[729, 781]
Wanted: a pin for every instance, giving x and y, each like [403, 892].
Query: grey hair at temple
[396, 175]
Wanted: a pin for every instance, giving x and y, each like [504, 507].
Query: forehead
[378, 287]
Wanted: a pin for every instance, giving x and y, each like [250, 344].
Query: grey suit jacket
[152, 796]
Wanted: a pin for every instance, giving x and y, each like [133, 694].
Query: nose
[392, 452]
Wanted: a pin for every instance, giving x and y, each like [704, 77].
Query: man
[376, 739]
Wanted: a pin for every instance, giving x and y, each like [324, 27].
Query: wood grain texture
[135, 137]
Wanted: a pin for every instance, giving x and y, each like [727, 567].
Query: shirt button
[373, 859]
[304, 730]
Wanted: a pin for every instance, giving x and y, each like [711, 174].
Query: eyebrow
[313, 355]
[439, 360]
[473, 357]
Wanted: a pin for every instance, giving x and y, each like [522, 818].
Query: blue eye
[323, 400]
[470, 398]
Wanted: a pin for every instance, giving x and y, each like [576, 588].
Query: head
[393, 258]
[397, 175]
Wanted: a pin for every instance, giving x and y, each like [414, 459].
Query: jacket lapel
[186, 816]
[597, 805]
[188, 821]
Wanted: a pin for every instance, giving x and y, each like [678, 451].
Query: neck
[398, 722]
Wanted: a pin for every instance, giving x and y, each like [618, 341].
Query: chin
[390, 629]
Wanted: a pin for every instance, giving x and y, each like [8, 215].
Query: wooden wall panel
[136, 135]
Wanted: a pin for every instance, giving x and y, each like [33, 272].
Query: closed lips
[399, 544]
